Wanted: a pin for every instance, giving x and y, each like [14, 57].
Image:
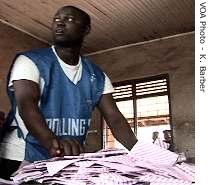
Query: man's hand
[64, 147]
[71, 147]
[55, 149]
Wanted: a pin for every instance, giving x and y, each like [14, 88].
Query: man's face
[167, 136]
[68, 27]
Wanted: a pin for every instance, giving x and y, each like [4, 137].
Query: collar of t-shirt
[74, 73]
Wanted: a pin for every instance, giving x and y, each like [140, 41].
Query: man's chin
[63, 44]
[67, 44]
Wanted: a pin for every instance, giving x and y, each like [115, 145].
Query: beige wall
[174, 56]
[11, 42]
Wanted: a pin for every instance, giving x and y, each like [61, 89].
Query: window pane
[126, 108]
[153, 116]
[153, 106]
[151, 95]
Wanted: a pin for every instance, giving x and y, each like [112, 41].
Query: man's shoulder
[37, 51]
[40, 55]
[87, 61]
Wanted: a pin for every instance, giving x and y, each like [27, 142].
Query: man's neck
[68, 55]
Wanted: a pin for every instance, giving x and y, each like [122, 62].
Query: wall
[174, 56]
[12, 41]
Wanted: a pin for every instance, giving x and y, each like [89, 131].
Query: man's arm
[117, 122]
[27, 94]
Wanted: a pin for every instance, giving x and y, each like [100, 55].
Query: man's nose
[61, 23]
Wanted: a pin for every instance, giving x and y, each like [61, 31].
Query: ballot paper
[154, 153]
[5, 182]
[145, 164]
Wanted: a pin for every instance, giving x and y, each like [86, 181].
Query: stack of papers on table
[145, 164]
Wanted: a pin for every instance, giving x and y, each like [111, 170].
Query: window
[145, 105]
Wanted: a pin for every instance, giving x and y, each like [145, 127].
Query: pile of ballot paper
[145, 164]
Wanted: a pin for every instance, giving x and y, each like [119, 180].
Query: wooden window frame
[135, 97]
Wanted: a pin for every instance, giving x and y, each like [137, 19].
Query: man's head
[155, 135]
[70, 26]
[167, 135]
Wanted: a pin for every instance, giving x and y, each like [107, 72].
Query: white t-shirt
[12, 147]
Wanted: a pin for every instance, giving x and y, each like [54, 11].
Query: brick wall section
[11, 42]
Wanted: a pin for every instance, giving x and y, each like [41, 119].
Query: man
[56, 90]
[160, 142]
[155, 136]
[168, 139]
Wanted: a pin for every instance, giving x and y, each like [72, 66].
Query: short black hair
[86, 16]
[165, 131]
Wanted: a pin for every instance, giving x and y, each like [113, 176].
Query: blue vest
[65, 106]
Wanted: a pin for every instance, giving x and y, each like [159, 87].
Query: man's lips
[59, 31]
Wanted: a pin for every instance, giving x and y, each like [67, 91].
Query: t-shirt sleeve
[108, 87]
[24, 69]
